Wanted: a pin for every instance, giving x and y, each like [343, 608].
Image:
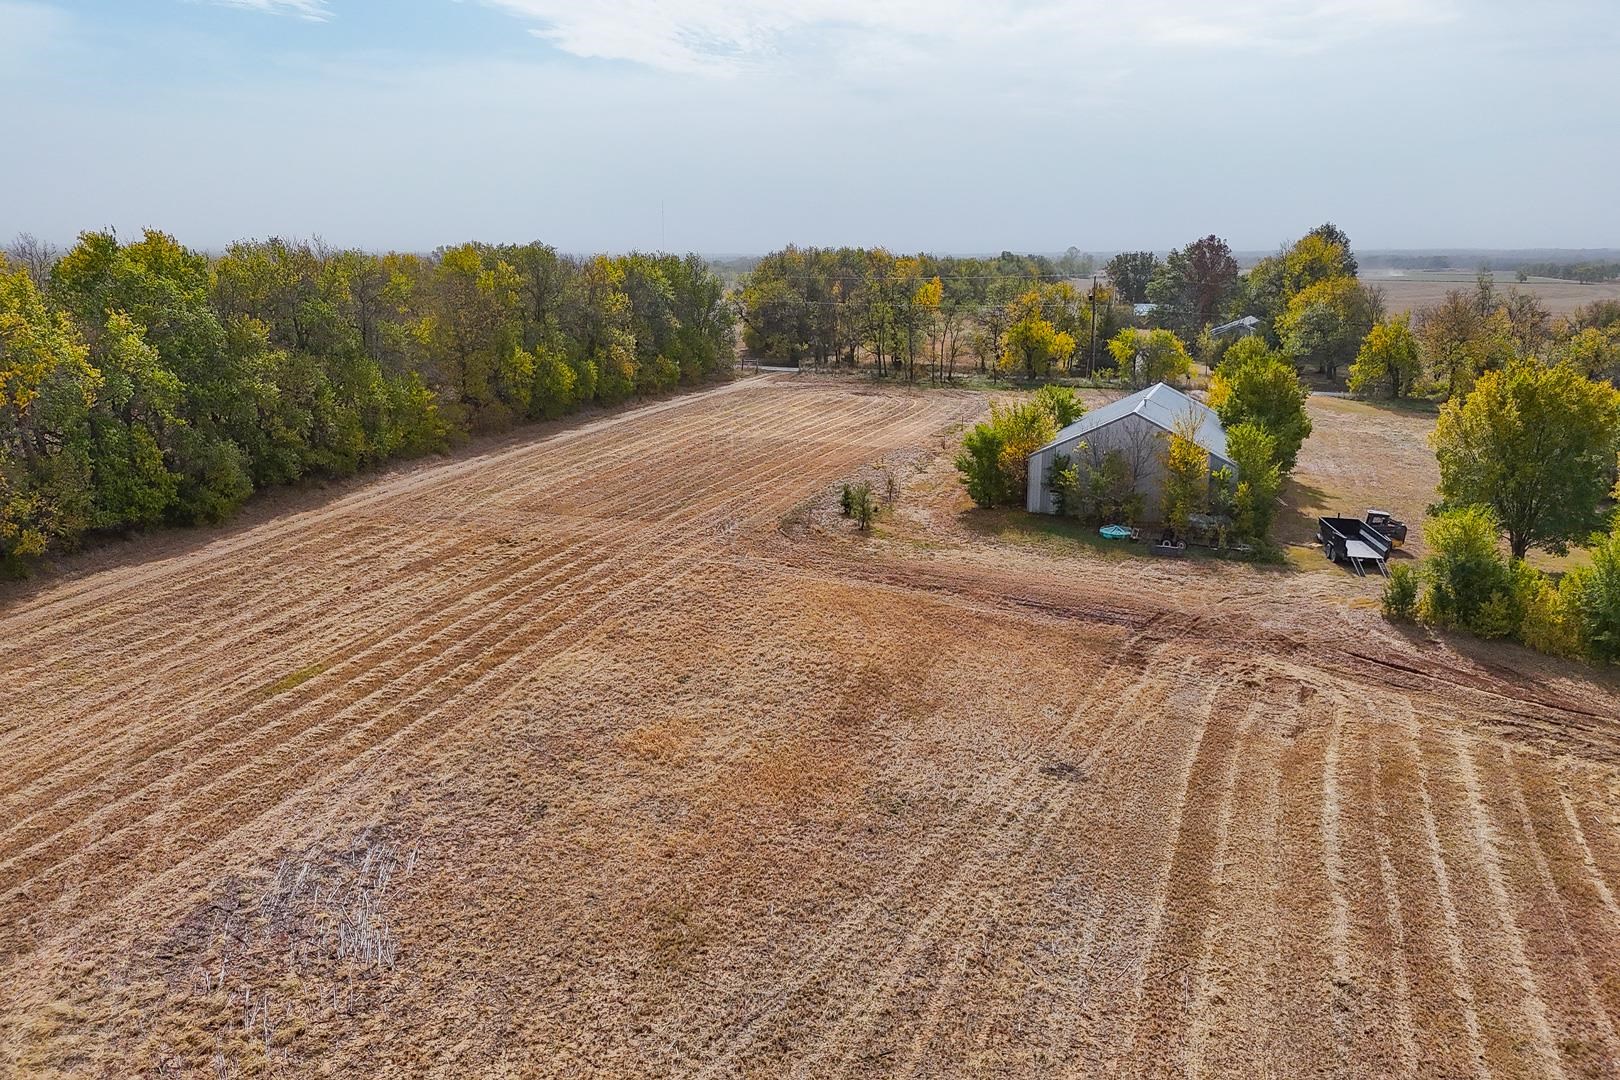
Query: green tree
[1458, 342]
[179, 385]
[1388, 359]
[1193, 284]
[1465, 571]
[994, 460]
[1331, 236]
[1536, 444]
[1254, 385]
[1060, 403]
[1253, 451]
[1325, 323]
[1594, 592]
[862, 505]
[979, 462]
[470, 335]
[1595, 352]
[164, 289]
[1130, 272]
[1025, 427]
[135, 415]
[1145, 357]
[553, 392]
[46, 389]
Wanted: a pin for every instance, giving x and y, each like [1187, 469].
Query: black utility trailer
[1353, 541]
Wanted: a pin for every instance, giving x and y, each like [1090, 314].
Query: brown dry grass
[620, 754]
[1414, 291]
[1362, 455]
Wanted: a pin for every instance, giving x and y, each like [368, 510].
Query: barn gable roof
[1161, 405]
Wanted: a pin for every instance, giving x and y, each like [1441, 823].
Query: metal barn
[1139, 427]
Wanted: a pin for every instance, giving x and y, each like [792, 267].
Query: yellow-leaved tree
[1186, 475]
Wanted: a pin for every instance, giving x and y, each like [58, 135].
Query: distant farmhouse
[1138, 427]
[1237, 328]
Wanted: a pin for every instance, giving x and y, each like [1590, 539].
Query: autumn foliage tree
[1388, 360]
[1255, 385]
[1193, 284]
[1186, 476]
[1145, 357]
[1536, 445]
[146, 383]
[994, 458]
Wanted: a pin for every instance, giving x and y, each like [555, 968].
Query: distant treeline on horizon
[1570, 264]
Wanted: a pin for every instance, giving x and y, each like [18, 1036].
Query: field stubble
[619, 753]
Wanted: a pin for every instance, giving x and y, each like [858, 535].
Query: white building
[1138, 427]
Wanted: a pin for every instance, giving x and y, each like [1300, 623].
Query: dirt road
[616, 753]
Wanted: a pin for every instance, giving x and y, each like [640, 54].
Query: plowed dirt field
[616, 753]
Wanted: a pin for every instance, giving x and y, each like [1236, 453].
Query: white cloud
[313, 10]
[732, 36]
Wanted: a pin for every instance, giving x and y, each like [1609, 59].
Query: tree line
[1527, 458]
[145, 383]
[910, 315]
[1585, 272]
[1030, 316]
[1442, 350]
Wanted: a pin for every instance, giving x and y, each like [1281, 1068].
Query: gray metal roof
[1159, 404]
[1248, 322]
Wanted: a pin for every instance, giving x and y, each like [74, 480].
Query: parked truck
[1354, 541]
[1387, 523]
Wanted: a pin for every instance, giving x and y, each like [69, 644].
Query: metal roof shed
[1138, 426]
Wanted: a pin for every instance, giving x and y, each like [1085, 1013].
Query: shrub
[1401, 593]
[1594, 592]
[1254, 501]
[1497, 617]
[1465, 571]
[1550, 621]
[994, 461]
[657, 375]
[1060, 403]
[1068, 489]
[980, 465]
[862, 505]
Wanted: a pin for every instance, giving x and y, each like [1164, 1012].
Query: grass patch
[1066, 536]
[291, 681]
[1305, 557]
[1404, 406]
[1060, 534]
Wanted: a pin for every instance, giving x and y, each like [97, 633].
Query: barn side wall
[1143, 442]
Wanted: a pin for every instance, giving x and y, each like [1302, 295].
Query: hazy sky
[943, 125]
